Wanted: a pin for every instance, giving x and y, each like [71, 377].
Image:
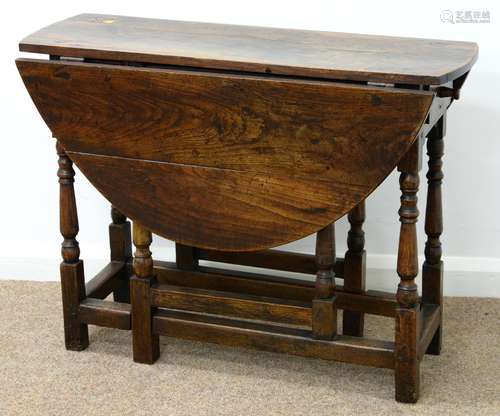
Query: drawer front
[221, 161]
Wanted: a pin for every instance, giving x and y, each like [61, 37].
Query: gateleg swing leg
[432, 270]
[355, 269]
[407, 365]
[324, 312]
[72, 274]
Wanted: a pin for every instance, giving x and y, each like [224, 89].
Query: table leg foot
[72, 275]
[76, 336]
[407, 366]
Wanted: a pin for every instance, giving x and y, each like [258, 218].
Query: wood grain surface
[228, 162]
[256, 49]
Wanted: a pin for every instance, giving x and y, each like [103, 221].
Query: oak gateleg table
[232, 140]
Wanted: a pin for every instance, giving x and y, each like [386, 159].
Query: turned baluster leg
[355, 269]
[407, 366]
[121, 250]
[72, 274]
[432, 270]
[324, 313]
[146, 346]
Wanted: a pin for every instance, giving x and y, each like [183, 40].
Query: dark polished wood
[273, 338]
[108, 280]
[355, 269]
[231, 141]
[120, 244]
[372, 301]
[105, 313]
[223, 140]
[186, 257]
[303, 53]
[430, 318]
[146, 345]
[232, 304]
[324, 311]
[432, 269]
[270, 259]
[407, 365]
[72, 275]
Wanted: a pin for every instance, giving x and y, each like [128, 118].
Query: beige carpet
[39, 377]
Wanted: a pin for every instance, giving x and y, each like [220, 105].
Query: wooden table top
[302, 53]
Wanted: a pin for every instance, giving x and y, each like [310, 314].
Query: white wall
[29, 238]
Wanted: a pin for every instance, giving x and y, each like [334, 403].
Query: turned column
[355, 269]
[432, 270]
[72, 274]
[407, 366]
[324, 313]
[146, 346]
[120, 245]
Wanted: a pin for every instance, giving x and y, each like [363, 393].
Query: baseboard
[464, 276]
